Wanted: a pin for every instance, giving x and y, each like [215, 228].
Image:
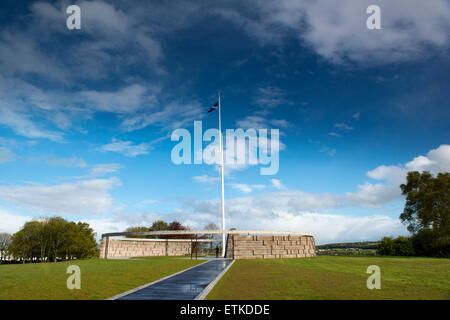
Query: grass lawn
[335, 277]
[100, 279]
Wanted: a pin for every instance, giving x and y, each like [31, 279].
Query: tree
[386, 247]
[403, 246]
[5, 242]
[57, 228]
[159, 225]
[137, 229]
[80, 241]
[50, 238]
[177, 226]
[42, 237]
[23, 242]
[427, 211]
[212, 226]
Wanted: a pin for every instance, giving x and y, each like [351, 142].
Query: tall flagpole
[221, 173]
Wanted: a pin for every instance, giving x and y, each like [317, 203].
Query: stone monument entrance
[240, 244]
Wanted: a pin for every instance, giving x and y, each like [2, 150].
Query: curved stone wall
[127, 247]
[267, 247]
[238, 247]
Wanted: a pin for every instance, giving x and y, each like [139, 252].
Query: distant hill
[350, 245]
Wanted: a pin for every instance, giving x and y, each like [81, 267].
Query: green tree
[57, 228]
[403, 246]
[5, 243]
[137, 229]
[52, 238]
[427, 212]
[24, 242]
[80, 241]
[386, 247]
[159, 225]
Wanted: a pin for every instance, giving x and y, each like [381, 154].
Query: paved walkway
[183, 286]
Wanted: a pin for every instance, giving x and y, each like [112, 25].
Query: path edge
[120, 295]
[202, 295]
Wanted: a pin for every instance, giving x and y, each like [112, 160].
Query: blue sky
[86, 115]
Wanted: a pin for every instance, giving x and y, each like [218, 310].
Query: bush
[401, 246]
[428, 243]
[386, 247]
[49, 239]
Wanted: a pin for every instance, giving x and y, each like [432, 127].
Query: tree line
[161, 225]
[50, 239]
[427, 216]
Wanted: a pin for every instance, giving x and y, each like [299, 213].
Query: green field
[100, 279]
[335, 277]
[323, 277]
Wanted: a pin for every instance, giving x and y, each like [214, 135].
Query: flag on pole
[214, 107]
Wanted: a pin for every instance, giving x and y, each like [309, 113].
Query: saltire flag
[214, 107]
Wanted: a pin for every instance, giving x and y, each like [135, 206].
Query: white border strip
[202, 295]
[120, 295]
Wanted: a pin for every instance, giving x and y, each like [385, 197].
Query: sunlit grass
[100, 279]
[334, 277]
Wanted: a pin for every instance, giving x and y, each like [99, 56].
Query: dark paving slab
[183, 286]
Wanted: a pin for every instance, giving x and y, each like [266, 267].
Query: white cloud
[392, 174]
[376, 195]
[21, 124]
[338, 32]
[258, 186]
[269, 97]
[246, 214]
[326, 228]
[334, 134]
[240, 159]
[117, 38]
[204, 178]
[258, 122]
[172, 115]
[82, 197]
[245, 188]
[436, 160]
[343, 126]
[100, 170]
[11, 223]
[106, 225]
[126, 148]
[296, 211]
[73, 162]
[124, 100]
[277, 184]
[22, 103]
[20, 54]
